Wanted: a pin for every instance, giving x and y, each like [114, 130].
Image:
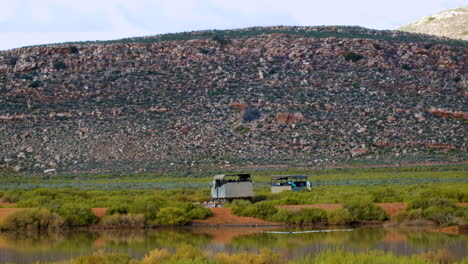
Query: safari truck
[281, 183]
[227, 187]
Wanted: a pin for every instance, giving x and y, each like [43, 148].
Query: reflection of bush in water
[363, 238]
[359, 238]
[143, 241]
[432, 240]
[49, 241]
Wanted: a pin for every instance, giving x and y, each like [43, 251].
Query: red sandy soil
[100, 242]
[394, 237]
[3, 244]
[453, 230]
[223, 216]
[99, 212]
[8, 204]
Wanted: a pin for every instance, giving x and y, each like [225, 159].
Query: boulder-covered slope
[452, 23]
[302, 96]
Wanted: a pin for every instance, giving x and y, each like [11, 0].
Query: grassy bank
[131, 206]
[189, 254]
[261, 177]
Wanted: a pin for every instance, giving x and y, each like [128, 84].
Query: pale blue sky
[29, 22]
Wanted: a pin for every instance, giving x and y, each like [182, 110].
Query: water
[293, 243]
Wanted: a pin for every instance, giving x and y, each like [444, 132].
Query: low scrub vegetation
[123, 221]
[439, 210]
[31, 219]
[365, 211]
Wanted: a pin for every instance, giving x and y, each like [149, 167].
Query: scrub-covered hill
[302, 96]
[452, 23]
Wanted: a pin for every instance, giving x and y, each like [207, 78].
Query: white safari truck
[281, 183]
[227, 187]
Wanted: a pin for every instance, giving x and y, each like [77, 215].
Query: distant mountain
[452, 23]
[300, 96]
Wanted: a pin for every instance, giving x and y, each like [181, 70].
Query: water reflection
[52, 246]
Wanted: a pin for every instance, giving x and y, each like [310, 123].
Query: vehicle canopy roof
[241, 176]
[289, 177]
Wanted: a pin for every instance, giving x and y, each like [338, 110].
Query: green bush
[148, 206]
[59, 65]
[290, 200]
[351, 56]
[12, 196]
[31, 219]
[35, 84]
[118, 209]
[364, 211]
[76, 215]
[339, 216]
[171, 216]
[199, 213]
[284, 216]
[307, 216]
[74, 50]
[424, 203]
[124, 221]
[262, 210]
[1, 194]
[221, 39]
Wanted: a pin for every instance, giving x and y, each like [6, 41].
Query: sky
[31, 22]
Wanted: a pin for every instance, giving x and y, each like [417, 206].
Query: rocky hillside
[302, 96]
[452, 23]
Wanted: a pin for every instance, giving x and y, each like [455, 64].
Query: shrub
[32, 219]
[59, 65]
[376, 46]
[310, 216]
[251, 114]
[441, 256]
[171, 216]
[262, 210]
[423, 203]
[199, 213]
[204, 51]
[76, 215]
[221, 39]
[1, 194]
[118, 209]
[259, 198]
[35, 84]
[12, 196]
[284, 216]
[156, 256]
[339, 215]
[74, 50]
[148, 206]
[351, 56]
[364, 211]
[124, 221]
[101, 257]
[289, 200]
[441, 215]
[406, 67]
[266, 256]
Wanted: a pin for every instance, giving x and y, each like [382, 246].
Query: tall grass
[31, 219]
